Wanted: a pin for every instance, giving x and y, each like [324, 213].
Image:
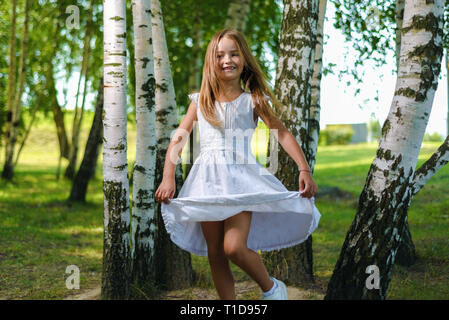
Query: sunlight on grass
[79, 229]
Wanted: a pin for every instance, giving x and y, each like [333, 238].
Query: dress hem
[173, 229]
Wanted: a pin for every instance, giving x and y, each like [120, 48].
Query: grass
[41, 234]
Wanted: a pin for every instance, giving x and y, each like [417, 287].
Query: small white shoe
[280, 293]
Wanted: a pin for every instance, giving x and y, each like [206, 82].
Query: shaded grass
[41, 234]
[346, 167]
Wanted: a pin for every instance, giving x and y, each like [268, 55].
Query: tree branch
[431, 166]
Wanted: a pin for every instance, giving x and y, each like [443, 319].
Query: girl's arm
[291, 146]
[166, 189]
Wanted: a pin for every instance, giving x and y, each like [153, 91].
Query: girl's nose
[226, 58]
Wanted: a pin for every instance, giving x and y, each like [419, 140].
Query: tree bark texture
[116, 249]
[293, 89]
[374, 236]
[143, 220]
[88, 164]
[173, 265]
[406, 255]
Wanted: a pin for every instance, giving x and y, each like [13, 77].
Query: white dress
[225, 179]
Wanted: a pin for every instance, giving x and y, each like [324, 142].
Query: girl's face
[229, 62]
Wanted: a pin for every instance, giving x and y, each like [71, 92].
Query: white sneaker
[280, 293]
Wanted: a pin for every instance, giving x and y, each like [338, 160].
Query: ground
[245, 290]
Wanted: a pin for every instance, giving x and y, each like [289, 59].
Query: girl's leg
[219, 264]
[236, 229]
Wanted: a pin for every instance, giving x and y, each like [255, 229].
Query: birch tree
[116, 249]
[313, 126]
[15, 97]
[7, 172]
[363, 270]
[143, 221]
[173, 265]
[293, 89]
[237, 13]
[93, 144]
[405, 255]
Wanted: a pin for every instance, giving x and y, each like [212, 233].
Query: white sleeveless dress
[225, 179]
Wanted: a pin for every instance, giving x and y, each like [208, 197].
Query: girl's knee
[234, 251]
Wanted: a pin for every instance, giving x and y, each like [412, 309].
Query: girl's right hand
[165, 191]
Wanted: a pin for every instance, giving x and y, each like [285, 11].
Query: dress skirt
[217, 189]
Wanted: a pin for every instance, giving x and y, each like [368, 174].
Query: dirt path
[245, 291]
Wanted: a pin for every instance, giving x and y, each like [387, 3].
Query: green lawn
[41, 234]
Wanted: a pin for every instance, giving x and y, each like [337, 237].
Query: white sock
[271, 291]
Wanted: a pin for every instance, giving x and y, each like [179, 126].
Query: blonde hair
[252, 78]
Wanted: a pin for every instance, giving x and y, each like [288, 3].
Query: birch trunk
[315, 106]
[293, 89]
[143, 221]
[88, 164]
[173, 265]
[21, 83]
[237, 13]
[116, 250]
[406, 255]
[8, 172]
[399, 21]
[374, 236]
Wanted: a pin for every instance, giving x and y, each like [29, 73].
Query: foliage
[370, 27]
[434, 137]
[336, 134]
[262, 32]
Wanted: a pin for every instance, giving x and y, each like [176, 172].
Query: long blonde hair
[252, 78]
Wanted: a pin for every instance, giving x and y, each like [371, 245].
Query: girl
[227, 210]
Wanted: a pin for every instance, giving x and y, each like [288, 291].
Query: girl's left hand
[306, 184]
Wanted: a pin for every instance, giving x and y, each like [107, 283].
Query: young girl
[228, 209]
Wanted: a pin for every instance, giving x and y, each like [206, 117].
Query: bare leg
[219, 264]
[236, 229]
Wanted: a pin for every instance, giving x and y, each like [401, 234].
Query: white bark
[399, 21]
[295, 63]
[167, 119]
[315, 107]
[439, 159]
[407, 120]
[173, 265]
[115, 166]
[145, 165]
